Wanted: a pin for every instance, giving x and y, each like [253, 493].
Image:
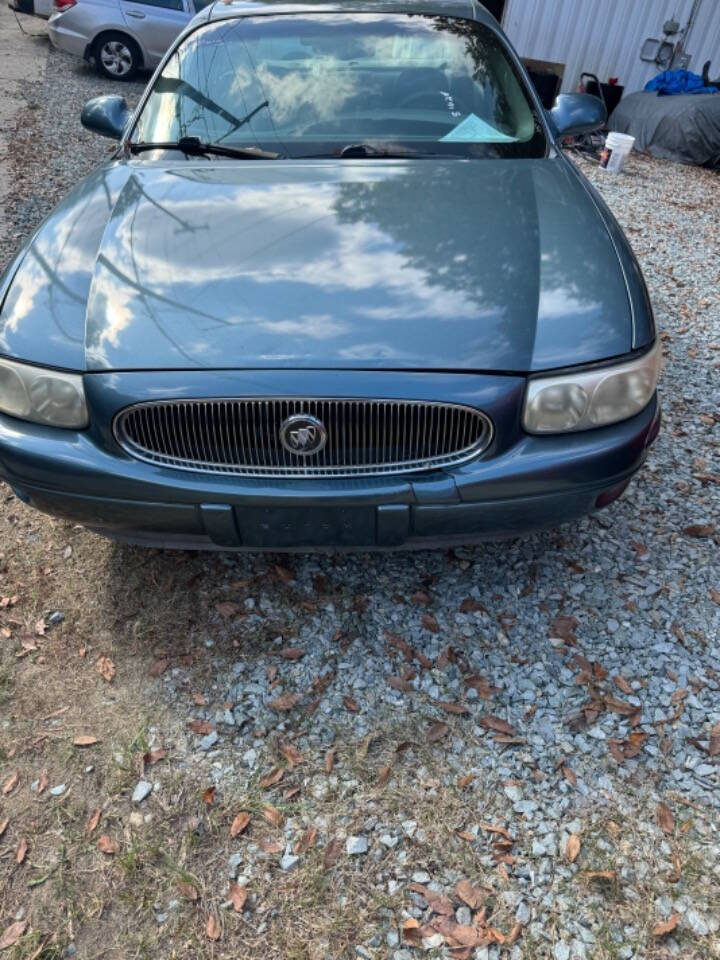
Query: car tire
[116, 56]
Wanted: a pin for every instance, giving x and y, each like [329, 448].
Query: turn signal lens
[43, 396]
[595, 398]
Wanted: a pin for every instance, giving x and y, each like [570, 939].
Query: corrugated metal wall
[605, 36]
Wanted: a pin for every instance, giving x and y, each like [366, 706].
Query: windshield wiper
[196, 147]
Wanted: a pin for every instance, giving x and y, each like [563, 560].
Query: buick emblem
[303, 435]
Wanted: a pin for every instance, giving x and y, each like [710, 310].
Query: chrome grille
[364, 437]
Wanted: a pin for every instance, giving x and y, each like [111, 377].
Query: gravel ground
[537, 721]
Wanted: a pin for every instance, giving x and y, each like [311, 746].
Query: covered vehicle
[683, 127]
[337, 287]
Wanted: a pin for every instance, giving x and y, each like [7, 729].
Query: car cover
[685, 128]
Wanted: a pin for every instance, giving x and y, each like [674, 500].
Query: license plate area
[306, 526]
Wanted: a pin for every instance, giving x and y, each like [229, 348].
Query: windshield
[315, 84]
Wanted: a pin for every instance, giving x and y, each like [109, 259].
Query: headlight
[42, 396]
[595, 398]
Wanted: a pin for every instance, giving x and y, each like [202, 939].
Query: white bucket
[616, 151]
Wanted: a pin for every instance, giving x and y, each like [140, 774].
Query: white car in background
[120, 36]
[36, 8]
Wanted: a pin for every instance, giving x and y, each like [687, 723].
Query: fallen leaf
[514, 934]
[437, 902]
[350, 704]
[285, 702]
[153, 757]
[459, 934]
[491, 722]
[43, 782]
[106, 668]
[332, 853]
[159, 667]
[449, 707]
[40, 628]
[199, 699]
[291, 653]
[714, 595]
[436, 731]
[663, 927]
[4, 825]
[285, 574]
[107, 845]
[93, 820]
[466, 835]
[384, 775]
[306, 841]
[569, 774]
[227, 609]
[209, 795]
[397, 683]
[272, 846]
[201, 727]
[275, 776]
[470, 605]
[28, 646]
[411, 932]
[329, 761]
[714, 748]
[430, 623]
[212, 927]
[601, 875]
[421, 598]
[21, 851]
[700, 530]
[479, 683]
[187, 890]
[465, 780]
[12, 934]
[402, 645]
[237, 895]
[622, 684]
[665, 818]
[273, 816]
[472, 896]
[291, 753]
[494, 828]
[85, 741]
[239, 823]
[564, 627]
[572, 848]
[11, 783]
[619, 706]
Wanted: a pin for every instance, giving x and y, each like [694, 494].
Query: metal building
[605, 37]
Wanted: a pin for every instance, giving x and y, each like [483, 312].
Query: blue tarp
[671, 82]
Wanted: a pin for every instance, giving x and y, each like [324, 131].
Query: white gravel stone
[356, 846]
[142, 790]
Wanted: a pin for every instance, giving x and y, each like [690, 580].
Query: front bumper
[522, 483]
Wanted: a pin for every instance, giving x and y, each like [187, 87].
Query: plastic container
[616, 151]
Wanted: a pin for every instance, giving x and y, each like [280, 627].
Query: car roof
[468, 9]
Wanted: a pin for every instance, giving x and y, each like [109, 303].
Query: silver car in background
[120, 36]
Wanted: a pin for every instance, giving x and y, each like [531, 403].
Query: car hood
[485, 265]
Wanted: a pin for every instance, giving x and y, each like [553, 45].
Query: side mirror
[576, 113]
[107, 116]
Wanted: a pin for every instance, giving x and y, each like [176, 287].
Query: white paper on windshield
[474, 130]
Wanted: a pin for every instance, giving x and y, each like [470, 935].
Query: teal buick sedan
[337, 287]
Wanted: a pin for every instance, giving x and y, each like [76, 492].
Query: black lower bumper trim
[227, 526]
